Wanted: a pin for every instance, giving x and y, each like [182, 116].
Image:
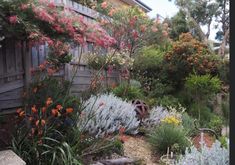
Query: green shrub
[44, 122]
[188, 55]
[159, 89]
[168, 135]
[147, 65]
[168, 100]
[151, 102]
[96, 62]
[223, 141]
[128, 92]
[224, 71]
[188, 124]
[202, 87]
[205, 113]
[226, 109]
[135, 83]
[216, 124]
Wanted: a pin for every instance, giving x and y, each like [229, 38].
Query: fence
[11, 74]
[82, 79]
[16, 61]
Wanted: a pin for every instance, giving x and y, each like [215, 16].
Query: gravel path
[137, 148]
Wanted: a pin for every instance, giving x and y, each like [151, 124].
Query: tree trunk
[223, 44]
[202, 36]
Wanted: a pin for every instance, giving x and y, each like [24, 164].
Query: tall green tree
[199, 13]
[223, 18]
[178, 24]
[202, 12]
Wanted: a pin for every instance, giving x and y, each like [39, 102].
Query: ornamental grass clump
[105, 114]
[168, 135]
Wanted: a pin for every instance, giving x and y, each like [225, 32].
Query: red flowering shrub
[186, 56]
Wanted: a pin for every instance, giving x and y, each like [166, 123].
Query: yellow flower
[171, 120]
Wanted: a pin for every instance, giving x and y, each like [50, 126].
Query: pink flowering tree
[40, 21]
[132, 29]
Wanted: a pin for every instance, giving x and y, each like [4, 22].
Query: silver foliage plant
[158, 113]
[105, 114]
[216, 155]
[155, 116]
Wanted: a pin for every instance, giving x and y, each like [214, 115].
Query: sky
[169, 9]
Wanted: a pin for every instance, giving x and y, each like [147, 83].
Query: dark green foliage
[167, 100]
[224, 71]
[168, 135]
[128, 92]
[216, 124]
[226, 109]
[53, 88]
[159, 89]
[188, 124]
[51, 149]
[178, 25]
[147, 66]
[202, 87]
[223, 141]
[205, 113]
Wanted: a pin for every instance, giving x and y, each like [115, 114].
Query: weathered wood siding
[17, 60]
[11, 74]
[82, 78]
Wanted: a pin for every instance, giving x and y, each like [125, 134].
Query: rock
[8, 157]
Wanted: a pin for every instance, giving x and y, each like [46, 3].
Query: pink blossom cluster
[64, 22]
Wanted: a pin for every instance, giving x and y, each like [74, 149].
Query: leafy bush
[224, 141]
[135, 83]
[188, 124]
[96, 61]
[226, 109]
[205, 114]
[128, 92]
[224, 71]
[43, 123]
[203, 86]
[159, 89]
[106, 114]
[216, 124]
[213, 155]
[147, 65]
[50, 88]
[168, 135]
[43, 146]
[201, 89]
[168, 100]
[188, 54]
